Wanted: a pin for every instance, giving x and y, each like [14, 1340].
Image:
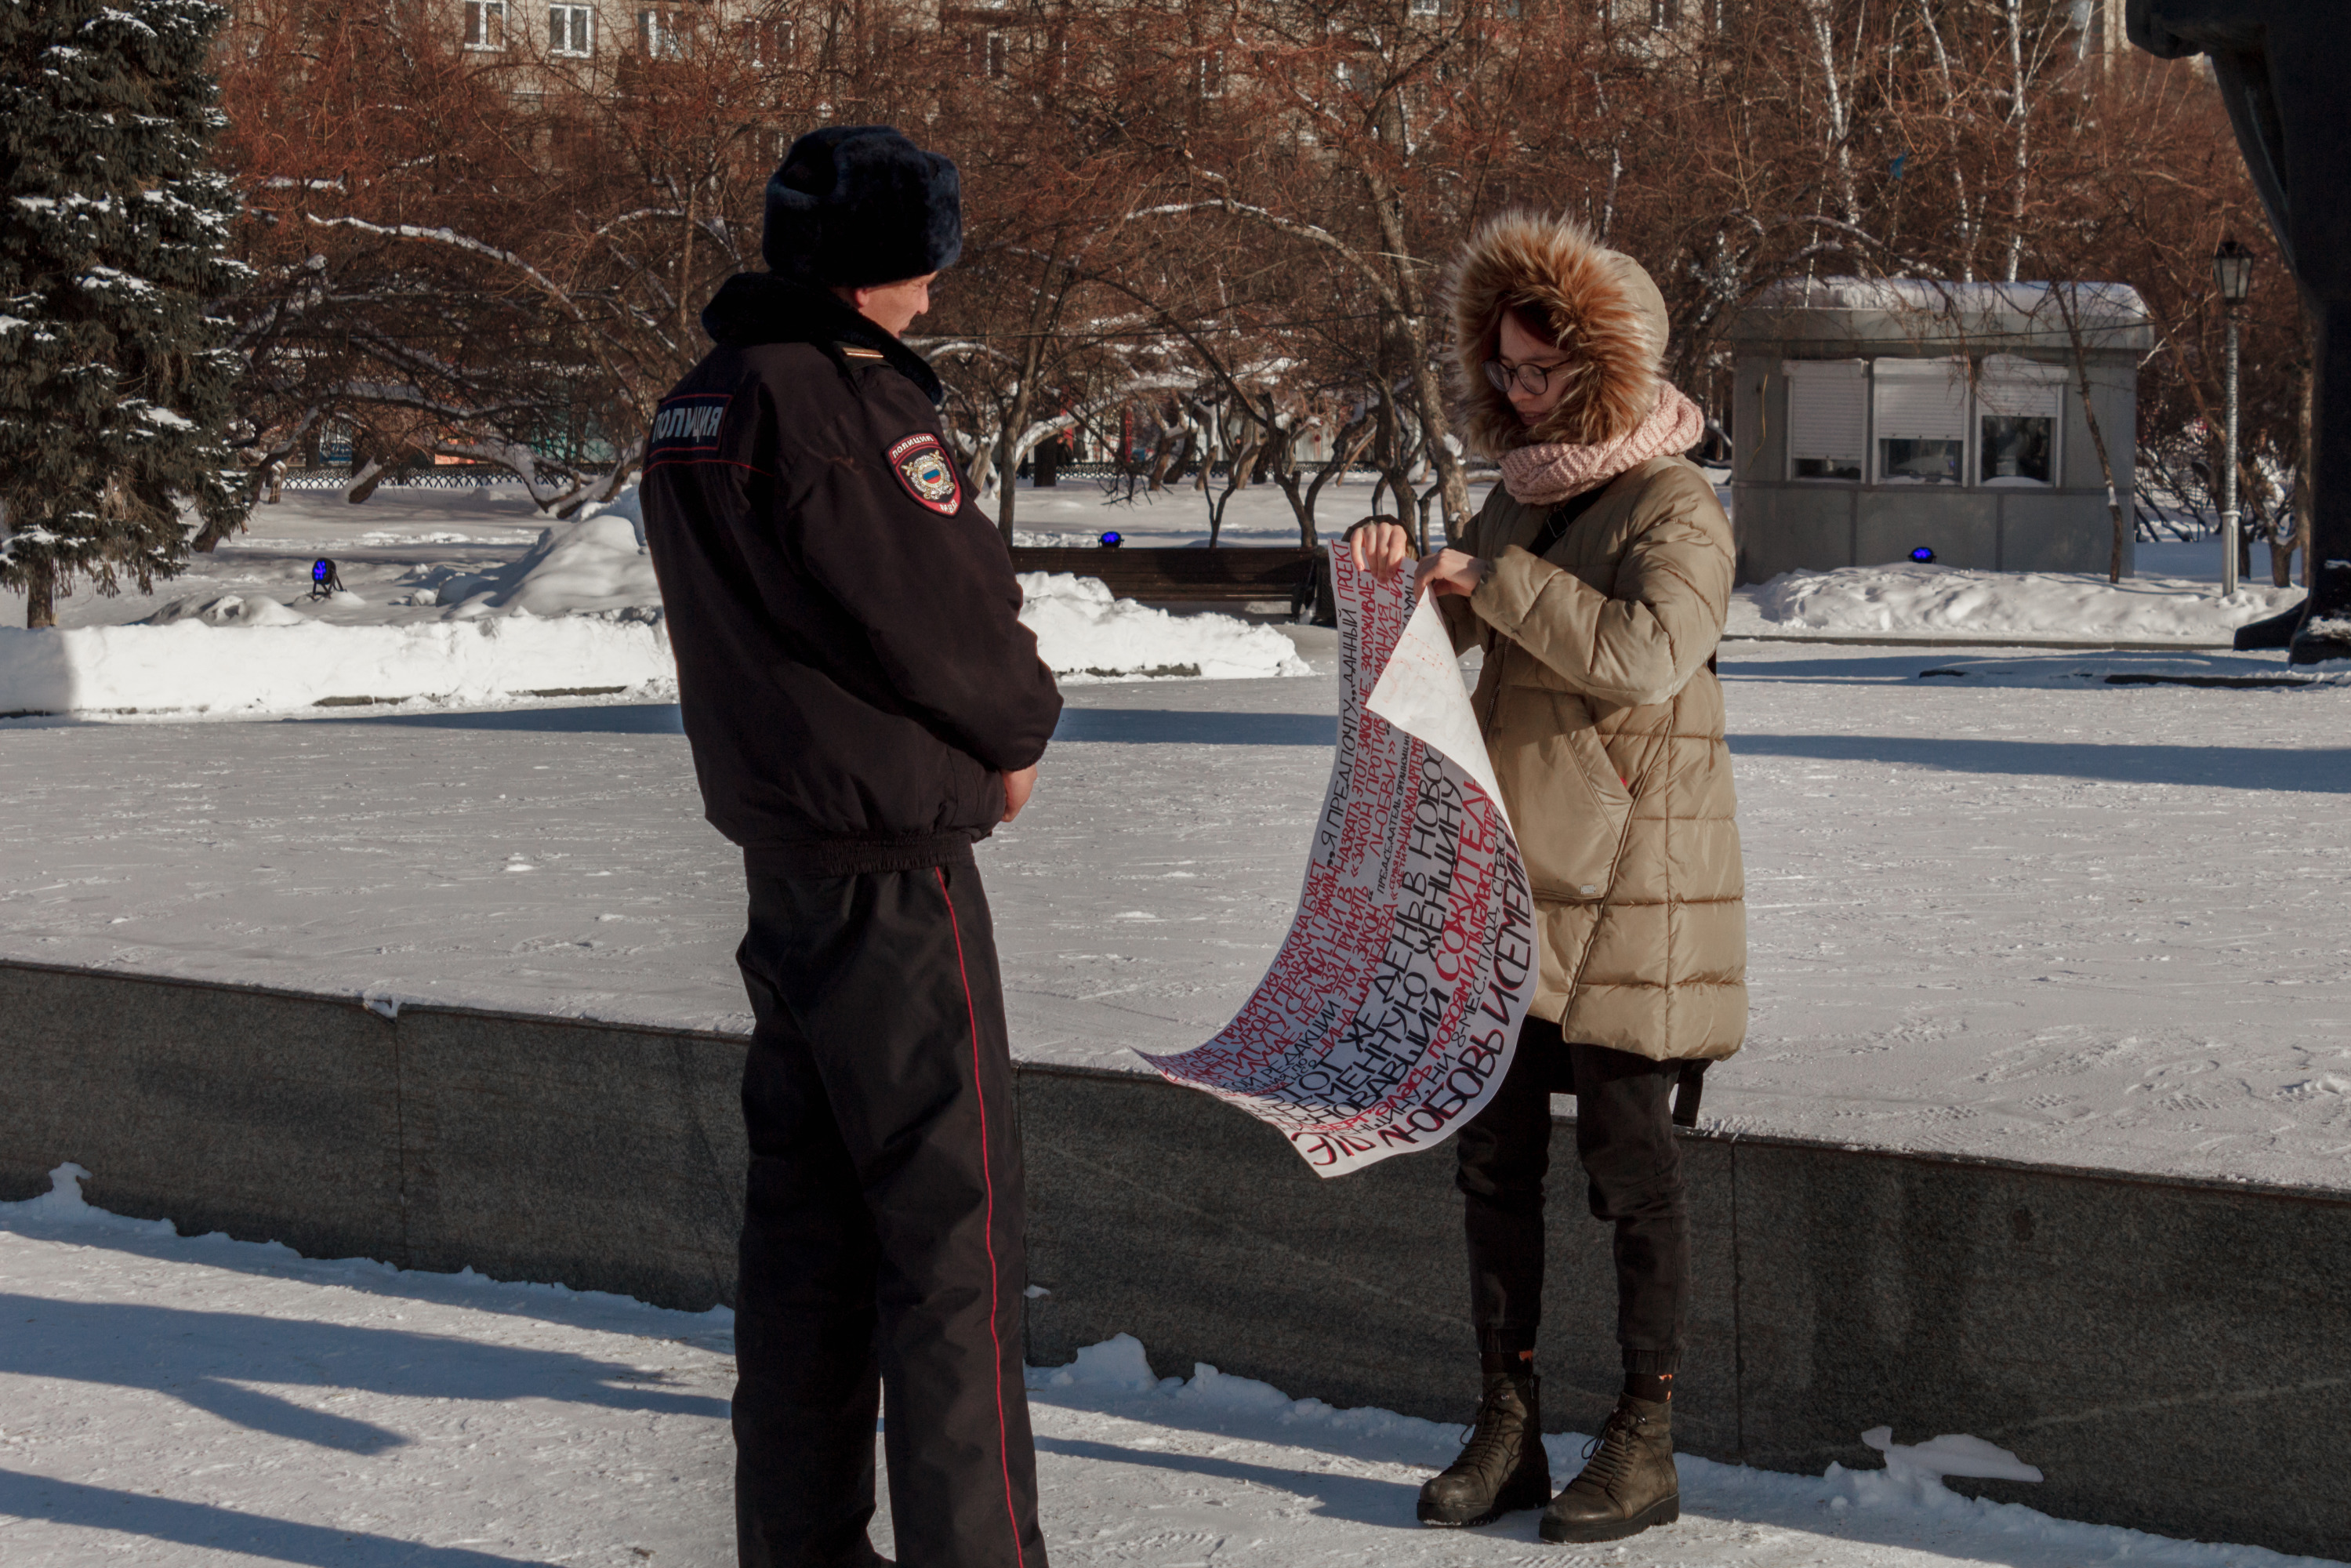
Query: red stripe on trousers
[988, 1178]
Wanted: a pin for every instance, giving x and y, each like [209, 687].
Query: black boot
[1503, 1467]
[1628, 1481]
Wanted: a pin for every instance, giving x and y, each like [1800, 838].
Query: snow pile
[1116, 1363]
[578, 613]
[629, 504]
[597, 564]
[1081, 631]
[1942, 601]
[64, 1206]
[227, 610]
[1952, 1454]
[194, 666]
[1119, 1364]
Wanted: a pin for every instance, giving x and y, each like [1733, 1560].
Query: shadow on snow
[215, 1357]
[1173, 726]
[2315, 771]
[195, 1524]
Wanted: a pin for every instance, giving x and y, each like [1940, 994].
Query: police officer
[863, 704]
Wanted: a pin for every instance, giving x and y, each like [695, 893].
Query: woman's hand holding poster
[1391, 1012]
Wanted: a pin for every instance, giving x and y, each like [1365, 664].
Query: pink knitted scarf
[1549, 473]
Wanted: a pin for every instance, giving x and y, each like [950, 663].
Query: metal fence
[439, 478]
[1217, 470]
[2174, 500]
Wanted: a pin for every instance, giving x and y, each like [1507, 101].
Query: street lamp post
[2233, 271]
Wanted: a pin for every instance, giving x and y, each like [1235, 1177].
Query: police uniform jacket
[850, 663]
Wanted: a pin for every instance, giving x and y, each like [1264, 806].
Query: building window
[1919, 408]
[994, 57]
[2018, 404]
[1664, 13]
[659, 35]
[571, 30]
[486, 24]
[1426, 7]
[1208, 72]
[1828, 418]
[768, 42]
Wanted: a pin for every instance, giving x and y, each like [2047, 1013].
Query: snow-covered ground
[2004, 907]
[200, 1402]
[2015, 912]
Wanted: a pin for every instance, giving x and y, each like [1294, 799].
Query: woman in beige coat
[1595, 579]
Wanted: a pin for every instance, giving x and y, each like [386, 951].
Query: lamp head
[2233, 271]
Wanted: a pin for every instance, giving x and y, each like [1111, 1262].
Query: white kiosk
[1874, 419]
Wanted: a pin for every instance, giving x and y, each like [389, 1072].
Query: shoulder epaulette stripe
[851, 351]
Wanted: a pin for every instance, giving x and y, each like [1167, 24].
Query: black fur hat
[854, 205]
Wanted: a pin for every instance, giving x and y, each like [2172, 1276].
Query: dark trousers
[1624, 1136]
[882, 1259]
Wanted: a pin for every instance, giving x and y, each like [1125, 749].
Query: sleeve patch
[929, 475]
[686, 428]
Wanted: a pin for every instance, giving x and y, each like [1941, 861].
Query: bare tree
[1229, 220]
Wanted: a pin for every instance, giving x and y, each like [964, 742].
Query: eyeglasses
[1532, 378]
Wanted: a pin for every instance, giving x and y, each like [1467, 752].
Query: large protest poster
[1392, 1011]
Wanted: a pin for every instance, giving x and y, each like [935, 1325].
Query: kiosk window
[2018, 404]
[1921, 411]
[1828, 414]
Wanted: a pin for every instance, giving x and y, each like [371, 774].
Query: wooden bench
[1223, 576]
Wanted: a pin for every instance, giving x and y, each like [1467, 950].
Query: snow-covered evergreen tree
[115, 384]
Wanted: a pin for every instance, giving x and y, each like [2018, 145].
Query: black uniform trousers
[883, 1239]
[1624, 1136]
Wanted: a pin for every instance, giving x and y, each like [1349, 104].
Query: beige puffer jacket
[1598, 701]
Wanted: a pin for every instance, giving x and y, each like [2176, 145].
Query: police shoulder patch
[923, 467]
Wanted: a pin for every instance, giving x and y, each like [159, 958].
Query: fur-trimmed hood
[1598, 306]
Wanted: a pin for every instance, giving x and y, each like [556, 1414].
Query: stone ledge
[2173, 1354]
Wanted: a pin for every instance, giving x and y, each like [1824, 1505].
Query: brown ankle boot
[1504, 1466]
[1628, 1481]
